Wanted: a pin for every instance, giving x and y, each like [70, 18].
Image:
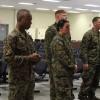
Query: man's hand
[85, 67]
[76, 68]
[35, 57]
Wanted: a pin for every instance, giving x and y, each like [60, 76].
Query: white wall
[7, 16]
[79, 23]
[40, 22]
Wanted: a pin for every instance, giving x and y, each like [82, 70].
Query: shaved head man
[19, 53]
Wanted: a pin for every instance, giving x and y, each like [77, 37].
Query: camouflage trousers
[21, 91]
[63, 81]
[63, 88]
[52, 85]
[90, 83]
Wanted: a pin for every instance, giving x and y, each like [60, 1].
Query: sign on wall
[3, 31]
[3, 34]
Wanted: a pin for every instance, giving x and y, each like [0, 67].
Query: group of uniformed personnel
[20, 55]
[49, 35]
[90, 55]
[61, 61]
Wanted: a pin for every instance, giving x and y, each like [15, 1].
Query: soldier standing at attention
[63, 64]
[90, 55]
[50, 33]
[19, 53]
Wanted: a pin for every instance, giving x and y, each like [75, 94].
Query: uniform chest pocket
[94, 43]
[21, 44]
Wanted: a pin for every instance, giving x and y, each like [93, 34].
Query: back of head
[61, 23]
[60, 14]
[59, 11]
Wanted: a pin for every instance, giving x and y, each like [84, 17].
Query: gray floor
[44, 90]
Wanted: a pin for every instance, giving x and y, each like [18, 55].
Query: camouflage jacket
[62, 52]
[49, 35]
[90, 47]
[17, 47]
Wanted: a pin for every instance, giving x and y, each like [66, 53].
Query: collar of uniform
[20, 33]
[55, 24]
[97, 31]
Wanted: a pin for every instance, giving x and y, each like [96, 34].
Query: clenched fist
[34, 57]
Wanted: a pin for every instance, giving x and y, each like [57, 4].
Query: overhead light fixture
[64, 7]
[92, 5]
[8, 6]
[95, 10]
[71, 11]
[52, 1]
[42, 9]
[81, 9]
[54, 10]
[24, 3]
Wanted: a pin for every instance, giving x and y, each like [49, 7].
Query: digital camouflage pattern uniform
[90, 54]
[17, 47]
[62, 67]
[49, 35]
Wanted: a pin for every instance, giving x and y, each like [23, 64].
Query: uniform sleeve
[71, 53]
[50, 32]
[9, 55]
[84, 48]
[61, 55]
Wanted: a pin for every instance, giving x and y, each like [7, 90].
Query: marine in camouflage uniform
[19, 54]
[62, 65]
[90, 54]
[49, 35]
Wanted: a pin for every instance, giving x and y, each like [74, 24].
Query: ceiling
[68, 5]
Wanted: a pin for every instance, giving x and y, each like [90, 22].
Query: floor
[44, 90]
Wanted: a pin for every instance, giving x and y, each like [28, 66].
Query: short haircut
[61, 23]
[95, 19]
[59, 11]
[21, 13]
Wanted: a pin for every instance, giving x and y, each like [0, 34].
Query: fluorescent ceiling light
[54, 10]
[81, 9]
[23, 3]
[42, 9]
[9, 6]
[95, 10]
[64, 7]
[73, 11]
[52, 1]
[92, 5]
